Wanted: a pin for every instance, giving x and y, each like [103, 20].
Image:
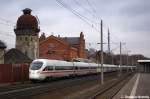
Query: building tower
[27, 32]
[42, 37]
[82, 46]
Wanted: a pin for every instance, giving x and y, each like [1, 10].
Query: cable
[6, 34]
[93, 9]
[85, 19]
[7, 21]
[77, 3]
[5, 24]
[78, 15]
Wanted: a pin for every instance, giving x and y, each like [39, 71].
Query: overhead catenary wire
[5, 24]
[105, 26]
[80, 5]
[85, 19]
[7, 21]
[89, 22]
[93, 9]
[94, 12]
[7, 34]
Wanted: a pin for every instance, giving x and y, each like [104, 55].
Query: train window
[31, 38]
[48, 68]
[45, 69]
[76, 68]
[36, 65]
[68, 67]
[93, 67]
[26, 38]
[63, 67]
[84, 67]
[58, 68]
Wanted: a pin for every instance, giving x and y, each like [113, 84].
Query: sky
[127, 20]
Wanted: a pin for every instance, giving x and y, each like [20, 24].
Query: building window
[31, 38]
[26, 53]
[50, 52]
[26, 38]
[20, 38]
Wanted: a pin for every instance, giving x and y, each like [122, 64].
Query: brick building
[62, 48]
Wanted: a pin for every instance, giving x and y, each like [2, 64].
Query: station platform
[137, 88]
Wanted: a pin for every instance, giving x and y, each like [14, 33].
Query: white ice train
[41, 69]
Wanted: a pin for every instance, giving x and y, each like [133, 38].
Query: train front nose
[35, 70]
[36, 75]
[33, 74]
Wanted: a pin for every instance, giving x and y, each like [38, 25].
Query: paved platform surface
[137, 88]
[143, 88]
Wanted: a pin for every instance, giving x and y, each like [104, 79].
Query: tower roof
[27, 11]
[16, 56]
[2, 45]
[72, 40]
[27, 21]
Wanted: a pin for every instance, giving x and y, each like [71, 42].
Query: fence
[10, 73]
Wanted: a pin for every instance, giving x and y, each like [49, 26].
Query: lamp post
[121, 58]
[128, 59]
[101, 27]
[128, 51]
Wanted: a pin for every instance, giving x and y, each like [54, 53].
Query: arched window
[31, 38]
[20, 38]
[26, 38]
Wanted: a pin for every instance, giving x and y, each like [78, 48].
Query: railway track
[28, 91]
[109, 91]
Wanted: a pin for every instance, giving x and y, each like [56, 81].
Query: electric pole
[127, 60]
[109, 53]
[120, 53]
[120, 68]
[101, 27]
[108, 42]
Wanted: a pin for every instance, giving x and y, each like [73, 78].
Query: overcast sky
[128, 21]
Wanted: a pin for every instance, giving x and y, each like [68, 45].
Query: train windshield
[36, 65]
